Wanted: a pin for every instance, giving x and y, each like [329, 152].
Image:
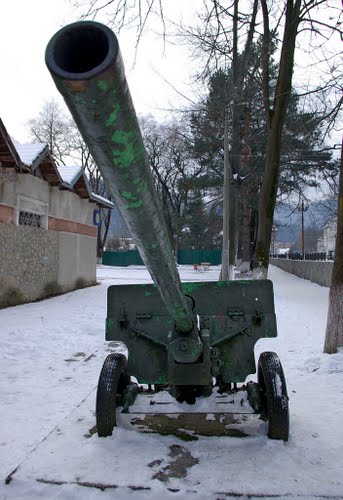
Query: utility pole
[302, 230]
[274, 231]
[303, 209]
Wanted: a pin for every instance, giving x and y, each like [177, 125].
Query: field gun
[186, 338]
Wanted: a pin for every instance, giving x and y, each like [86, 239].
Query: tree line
[186, 155]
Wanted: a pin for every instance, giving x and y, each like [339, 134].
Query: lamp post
[303, 209]
[274, 231]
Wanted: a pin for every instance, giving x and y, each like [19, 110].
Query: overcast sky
[26, 26]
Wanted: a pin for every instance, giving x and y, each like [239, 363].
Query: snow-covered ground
[51, 355]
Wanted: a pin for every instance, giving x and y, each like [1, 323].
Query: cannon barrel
[86, 65]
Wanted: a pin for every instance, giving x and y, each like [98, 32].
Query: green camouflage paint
[124, 157]
[190, 287]
[79, 99]
[154, 246]
[134, 204]
[127, 195]
[102, 85]
[141, 184]
[111, 120]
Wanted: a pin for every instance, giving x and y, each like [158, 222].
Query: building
[47, 224]
[328, 241]
[283, 249]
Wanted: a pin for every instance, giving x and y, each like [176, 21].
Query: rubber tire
[113, 380]
[275, 398]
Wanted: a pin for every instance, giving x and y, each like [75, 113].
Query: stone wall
[316, 271]
[57, 257]
[28, 264]
[36, 263]
[77, 260]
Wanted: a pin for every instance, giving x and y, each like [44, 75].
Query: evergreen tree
[301, 157]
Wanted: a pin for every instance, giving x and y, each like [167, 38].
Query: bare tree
[288, 18]
[334, 326]
[174, 169]
[125, 13]
[220, 43]
[81, 154]
[54, 127]
[296, 12]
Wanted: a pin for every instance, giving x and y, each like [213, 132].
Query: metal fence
[122, 258]
[187, 256]
[320, 256]
[192, 256]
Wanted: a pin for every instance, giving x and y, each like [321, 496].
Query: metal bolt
[183, 346]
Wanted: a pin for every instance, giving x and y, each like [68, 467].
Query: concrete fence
[316, 271]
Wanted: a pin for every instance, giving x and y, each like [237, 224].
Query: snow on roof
[69, 173]
[29, 152]
[103, 200]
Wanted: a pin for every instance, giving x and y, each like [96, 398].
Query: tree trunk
[233, 227]
[275, 119]
[238, 74]
[334, 326]
[224, 273]
[245, 234]
[237, 86]
[102, 232]
[167, 218]
[267, 201]
[99, 248]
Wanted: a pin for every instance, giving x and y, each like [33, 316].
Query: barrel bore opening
[81, 49]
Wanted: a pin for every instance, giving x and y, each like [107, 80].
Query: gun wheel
[113, 380]
[271, 379]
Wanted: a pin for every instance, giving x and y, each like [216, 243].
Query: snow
[278, 385]
[29, 152]
[97, 197]
[69, 173]
[51, 355]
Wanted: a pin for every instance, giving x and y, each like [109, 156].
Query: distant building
[320, 245]
[283, 249]
[124, 243]
[47, 224]
[328, 241]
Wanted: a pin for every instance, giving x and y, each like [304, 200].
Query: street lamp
[303, 208]
[274, 231]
